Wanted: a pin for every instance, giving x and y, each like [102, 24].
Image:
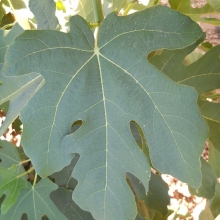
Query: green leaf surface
[44, 12]
[215, 4]
[118, 5]
[4, 107]
[206, 214]
[214, 203]
[6, 21]
[209, 181]
[206, 46]
[64, 177]
[86, 8]
[62, 198]
[17, 89]
[203, 75]
[17, 125]
[214, 157]
[213, 21]
[8, 154]
[184, 6]
[192, 57]
[10, 184]
[7, 38]
[157, 197]
[139, 218]
[35, 202]
[2, 12]
[5, 2]
[107, 84]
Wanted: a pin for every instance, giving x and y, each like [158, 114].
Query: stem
[97, 6]
[130, 6]
[7, 26]
[31, 169]
[35, 180]
[24, 161]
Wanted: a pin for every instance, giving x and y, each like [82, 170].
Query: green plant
[103, 104]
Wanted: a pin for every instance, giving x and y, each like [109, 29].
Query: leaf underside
[107, 83]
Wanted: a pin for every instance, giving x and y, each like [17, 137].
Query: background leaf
[10, 184]
[44, 12]
[10, 169]
[203, 75]
[214, 203]
[185, 7]
[152, 205]
[215, 4]
[20, 12]
[209, 181]
[9, 155]
[64, 177]
[63, 200]
[35, 201]
[206, 213]
[19, 89]
[214, 159]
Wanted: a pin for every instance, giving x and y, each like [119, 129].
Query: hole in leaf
[192, 57]
[211, 96]
[24, 216]
[140, 139]
[154, 53]
[0, 160]
[76, 125]
[44, 217]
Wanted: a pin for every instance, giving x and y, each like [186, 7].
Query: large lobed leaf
[107, 83]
